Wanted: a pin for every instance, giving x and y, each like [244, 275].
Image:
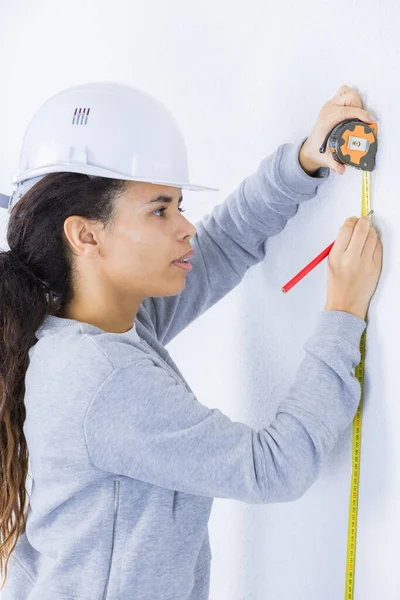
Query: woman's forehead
[144, 192]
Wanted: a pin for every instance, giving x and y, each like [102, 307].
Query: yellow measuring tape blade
[357, 426]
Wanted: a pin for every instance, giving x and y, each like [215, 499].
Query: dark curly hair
[36, 238]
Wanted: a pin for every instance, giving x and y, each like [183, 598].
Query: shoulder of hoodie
[98, 354]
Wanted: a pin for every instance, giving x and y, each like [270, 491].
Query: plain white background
[242, 78]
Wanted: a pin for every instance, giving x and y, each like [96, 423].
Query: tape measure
[353, 142]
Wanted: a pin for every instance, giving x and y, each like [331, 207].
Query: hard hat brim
[98, 171]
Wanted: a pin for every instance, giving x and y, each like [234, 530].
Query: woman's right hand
[354, 267]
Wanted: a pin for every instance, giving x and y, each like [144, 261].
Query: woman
[125, 461]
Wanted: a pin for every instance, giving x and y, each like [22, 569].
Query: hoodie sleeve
[232, 238]
[145, 424]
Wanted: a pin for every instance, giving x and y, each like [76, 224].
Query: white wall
[242, 78]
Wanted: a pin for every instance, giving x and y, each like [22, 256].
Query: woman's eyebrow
[164, 199]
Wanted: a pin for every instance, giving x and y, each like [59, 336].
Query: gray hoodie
[125, 461]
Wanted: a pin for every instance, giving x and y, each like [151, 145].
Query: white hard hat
[106, 129]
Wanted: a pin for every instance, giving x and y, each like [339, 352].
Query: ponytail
[35, 281]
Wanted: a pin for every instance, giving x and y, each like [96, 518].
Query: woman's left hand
[346, 104]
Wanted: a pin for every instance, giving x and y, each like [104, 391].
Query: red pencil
[310, 266]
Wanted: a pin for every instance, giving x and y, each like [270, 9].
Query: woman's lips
[186, 266]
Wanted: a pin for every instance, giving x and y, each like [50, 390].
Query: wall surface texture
[242, 78]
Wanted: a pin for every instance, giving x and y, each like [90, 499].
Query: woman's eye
[162, 211]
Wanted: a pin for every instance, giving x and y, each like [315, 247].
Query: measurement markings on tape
[357, 430]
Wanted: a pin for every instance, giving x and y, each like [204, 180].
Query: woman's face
[133, 259]
[149, 234]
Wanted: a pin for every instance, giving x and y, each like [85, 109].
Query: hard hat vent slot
[80, 116]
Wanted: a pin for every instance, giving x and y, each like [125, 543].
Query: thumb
[336, 166]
